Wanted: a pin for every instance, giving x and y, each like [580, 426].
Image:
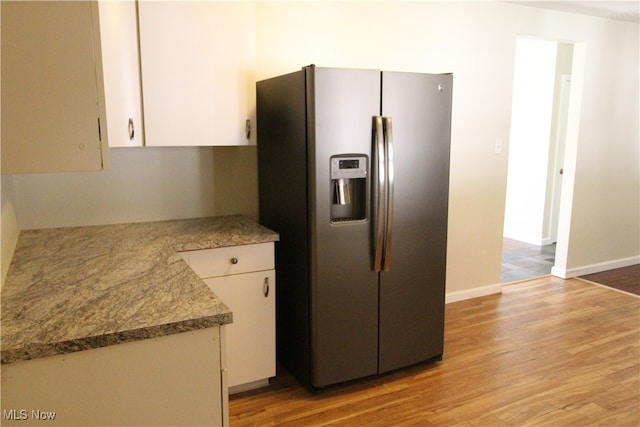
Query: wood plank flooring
[545, 352]
[626, 279]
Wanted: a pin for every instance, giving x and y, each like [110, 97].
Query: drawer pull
[132, 130]
[265, 287]
[234, 260]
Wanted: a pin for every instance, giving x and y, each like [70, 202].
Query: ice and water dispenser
[348, 188]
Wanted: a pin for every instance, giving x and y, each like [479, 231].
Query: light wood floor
[546, 352]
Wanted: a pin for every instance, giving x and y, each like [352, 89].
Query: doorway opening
[536, 165]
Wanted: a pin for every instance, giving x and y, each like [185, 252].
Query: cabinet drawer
[230, 260]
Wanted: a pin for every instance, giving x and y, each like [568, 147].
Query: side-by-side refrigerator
[353, 170]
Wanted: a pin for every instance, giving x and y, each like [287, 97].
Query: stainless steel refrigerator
[353, 170]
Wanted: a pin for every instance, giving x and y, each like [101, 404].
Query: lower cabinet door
[251, 338]
[151, 382]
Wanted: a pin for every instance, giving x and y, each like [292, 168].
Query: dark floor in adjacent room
[626, 279]
[522, 260]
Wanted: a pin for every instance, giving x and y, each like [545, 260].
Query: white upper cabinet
[52, 94]
[195, 62]
[119, 38]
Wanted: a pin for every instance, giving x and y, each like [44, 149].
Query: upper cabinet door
[119, 39]
[52, 94]
[198, 72]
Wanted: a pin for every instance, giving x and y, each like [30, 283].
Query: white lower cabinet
[154, 382]
[243, 277]
[251, 338]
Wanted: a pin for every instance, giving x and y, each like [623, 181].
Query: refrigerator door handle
[388, 143]
[379, 191]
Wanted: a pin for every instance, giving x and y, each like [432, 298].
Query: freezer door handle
[379, 179]
[388, 146]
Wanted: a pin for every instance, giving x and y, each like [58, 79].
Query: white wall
[236, 180]
[143, 184]
[605, 225]
[532, 110]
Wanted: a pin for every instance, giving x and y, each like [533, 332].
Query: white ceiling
[628, 10]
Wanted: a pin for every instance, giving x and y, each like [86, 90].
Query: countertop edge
[38, 351]
[191, 246]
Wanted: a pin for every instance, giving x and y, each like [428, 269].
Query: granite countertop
[77, 288]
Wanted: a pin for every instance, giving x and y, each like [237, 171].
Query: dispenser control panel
[348, 167]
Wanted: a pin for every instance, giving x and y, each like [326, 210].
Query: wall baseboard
[555, 271]
[532, 240]
[594, 268]
[472, 293]
[547, 241]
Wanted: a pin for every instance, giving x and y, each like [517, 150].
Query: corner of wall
[236, 181]
[9, 229]
[582, 270]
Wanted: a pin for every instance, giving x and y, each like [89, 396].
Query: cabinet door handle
[132, 130]
[234, 260]
[265, 287]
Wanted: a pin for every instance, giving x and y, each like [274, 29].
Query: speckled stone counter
[77, 288]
